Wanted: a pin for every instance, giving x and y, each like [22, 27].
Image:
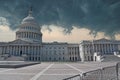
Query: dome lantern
[30, 12]
[29, 18]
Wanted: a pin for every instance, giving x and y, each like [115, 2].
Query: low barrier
[106, 73]
[76, 77]
[109, 73]
[16, 64]
[92, 75]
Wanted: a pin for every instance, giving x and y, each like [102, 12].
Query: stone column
[18, 53]
[2, 49]
[31, 35]
[37, 36]
[32, 51]
[15, 50]
[34, 35]
[104, 48]
[12, 52]
[20, 34]
[99, 50]
[94, 47]
[25, 49]
[28, 49]
[28, 35]
[111, 48]
[10, 49]
[6, 49]
[100, 47]
[38, 50]
[108, 48]
[24, 34]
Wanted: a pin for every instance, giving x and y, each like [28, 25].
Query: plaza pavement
[50, 71]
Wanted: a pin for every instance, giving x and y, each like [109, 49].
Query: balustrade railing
[106, 73]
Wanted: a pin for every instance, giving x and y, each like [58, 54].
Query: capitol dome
[29, 30]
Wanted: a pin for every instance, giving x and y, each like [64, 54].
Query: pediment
[103, 40]
[19, 41]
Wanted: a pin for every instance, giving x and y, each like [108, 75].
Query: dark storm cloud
[96, 15]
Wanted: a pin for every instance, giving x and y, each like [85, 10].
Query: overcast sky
[63, 20]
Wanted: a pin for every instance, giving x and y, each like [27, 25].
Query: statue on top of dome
[30, 11]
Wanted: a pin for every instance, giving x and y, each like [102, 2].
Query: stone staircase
[11, 58]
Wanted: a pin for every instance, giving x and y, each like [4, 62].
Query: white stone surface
[50, 71]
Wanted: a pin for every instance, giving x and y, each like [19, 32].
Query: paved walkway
[49, 71]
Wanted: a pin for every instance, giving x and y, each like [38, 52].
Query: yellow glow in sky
[76, 35]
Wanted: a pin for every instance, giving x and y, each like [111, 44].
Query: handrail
[112, 73]
[71, 77]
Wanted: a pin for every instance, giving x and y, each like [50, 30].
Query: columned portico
[32, 51]
[102, 46]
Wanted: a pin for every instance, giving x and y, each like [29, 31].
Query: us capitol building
[28, 42]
